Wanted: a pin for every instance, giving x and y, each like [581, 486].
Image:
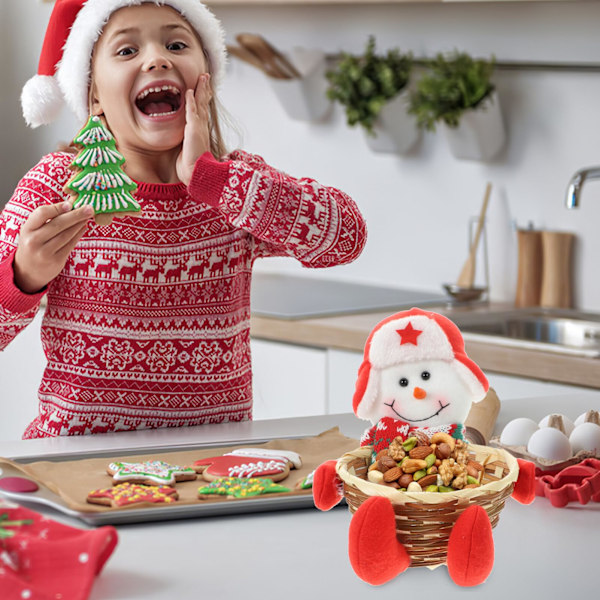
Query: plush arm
[327, 486]
[524, 490]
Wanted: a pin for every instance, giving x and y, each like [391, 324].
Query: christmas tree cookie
[100, 181]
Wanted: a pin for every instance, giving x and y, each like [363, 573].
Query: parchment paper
[73, 480]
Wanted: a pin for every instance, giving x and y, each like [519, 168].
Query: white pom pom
[41, 100]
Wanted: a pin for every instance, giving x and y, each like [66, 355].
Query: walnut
[449, 470]
[461, 452]
[396, 451]
[460, 481]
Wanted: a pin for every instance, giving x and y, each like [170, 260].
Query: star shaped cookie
[150, 472]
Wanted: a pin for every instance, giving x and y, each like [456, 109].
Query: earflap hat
[412, 336]
[64, 68]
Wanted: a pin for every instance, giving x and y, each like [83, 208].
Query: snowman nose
[419, 393]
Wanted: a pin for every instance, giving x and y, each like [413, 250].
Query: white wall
[417, 207]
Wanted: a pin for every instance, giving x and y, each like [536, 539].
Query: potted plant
[457, 92]
[374, 91]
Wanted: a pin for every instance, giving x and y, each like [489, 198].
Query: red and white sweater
[148, 323]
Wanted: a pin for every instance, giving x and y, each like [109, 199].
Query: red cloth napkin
[45, 560]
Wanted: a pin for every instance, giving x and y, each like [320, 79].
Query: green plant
[364, 84]
[453, 84]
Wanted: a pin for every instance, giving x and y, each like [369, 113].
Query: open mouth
[435, 414]
[160, 101]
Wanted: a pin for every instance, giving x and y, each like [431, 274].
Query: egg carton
[542, 464]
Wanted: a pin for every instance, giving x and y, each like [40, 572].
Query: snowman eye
[425, 375]
[403, 382]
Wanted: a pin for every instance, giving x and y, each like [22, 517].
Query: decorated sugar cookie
[100, 181]
[307, 482]
[249, 462]
[239, 487]
[125, 494]
[150, 472]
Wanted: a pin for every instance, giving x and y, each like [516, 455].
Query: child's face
[141, 48]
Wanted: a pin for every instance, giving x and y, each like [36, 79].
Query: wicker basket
[424, 520]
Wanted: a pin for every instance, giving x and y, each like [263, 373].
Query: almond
[420, 452]
[428, 480]
[392, 474]
[387, 461]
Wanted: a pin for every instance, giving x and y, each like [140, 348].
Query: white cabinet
[22, 364]
[288, 380]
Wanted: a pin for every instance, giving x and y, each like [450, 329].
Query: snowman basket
[424, 520]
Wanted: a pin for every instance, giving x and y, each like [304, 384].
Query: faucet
[576, 183]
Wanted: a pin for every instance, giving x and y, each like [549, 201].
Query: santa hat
[75, 25]
[412, 336]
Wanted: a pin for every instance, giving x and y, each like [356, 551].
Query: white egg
[550, 443]
[518, 431]
[567, 423]
[581, 418]
[586, 437]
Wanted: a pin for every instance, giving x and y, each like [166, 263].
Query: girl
[147, 319]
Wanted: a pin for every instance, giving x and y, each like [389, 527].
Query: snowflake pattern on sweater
[148, 324]
[387, 429]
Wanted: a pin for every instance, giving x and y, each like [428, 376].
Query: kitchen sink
[555, 330]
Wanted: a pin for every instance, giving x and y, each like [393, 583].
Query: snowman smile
[435, 414]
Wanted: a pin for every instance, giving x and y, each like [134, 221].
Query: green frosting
[101, 181]
[240, 487]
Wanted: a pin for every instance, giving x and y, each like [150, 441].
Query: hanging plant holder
[395, 131]
[480, 134]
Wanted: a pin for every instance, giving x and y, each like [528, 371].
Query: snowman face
[424, 394]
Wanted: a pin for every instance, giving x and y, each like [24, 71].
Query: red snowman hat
[411, 336]
[75, 25]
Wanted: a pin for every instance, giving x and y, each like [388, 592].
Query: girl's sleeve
[320, 226]
[40, 186]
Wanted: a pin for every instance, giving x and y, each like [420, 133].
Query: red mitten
[376, 555]
[327, 486]
[524, 490]
[47, 560]
[471, 548]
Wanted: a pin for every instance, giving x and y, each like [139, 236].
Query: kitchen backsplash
[417, 206]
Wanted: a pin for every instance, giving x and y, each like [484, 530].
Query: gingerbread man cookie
[125, 494]
[249, 462]
[150, 472]
[240, 487]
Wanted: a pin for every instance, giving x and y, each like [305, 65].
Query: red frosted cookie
[249, 462]
[125, 494]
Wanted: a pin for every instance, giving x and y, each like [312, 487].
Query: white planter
[396, 130]
[304, 99]
[480, 134]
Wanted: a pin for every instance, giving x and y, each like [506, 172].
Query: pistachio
[409, 444]
[472, 480]
[418, 474]
[430, 460]
[431, 488]
[445, 489]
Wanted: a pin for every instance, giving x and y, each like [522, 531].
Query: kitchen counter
[541, 551]
[350, 332]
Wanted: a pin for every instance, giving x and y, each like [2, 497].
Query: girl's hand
[45, 242]
[196, 135]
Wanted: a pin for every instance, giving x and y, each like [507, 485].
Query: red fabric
[524, 489]
[47, 560]
[387, 429]
[62, 18]
[326, 486]
[375, 553]
[148, 324]
[452, 333]
[471, 548]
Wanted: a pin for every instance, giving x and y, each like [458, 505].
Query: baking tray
[98, 515]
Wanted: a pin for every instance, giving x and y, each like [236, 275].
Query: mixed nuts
[439, 463]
